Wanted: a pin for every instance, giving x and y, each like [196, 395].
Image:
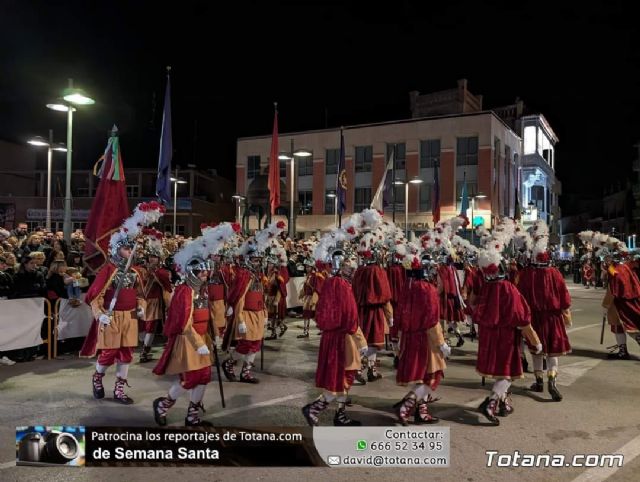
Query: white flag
[377, 201]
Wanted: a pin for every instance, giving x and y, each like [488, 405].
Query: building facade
[478, 147]
[206, 197]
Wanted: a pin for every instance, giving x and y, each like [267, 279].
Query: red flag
[274, 168]
[109, 208]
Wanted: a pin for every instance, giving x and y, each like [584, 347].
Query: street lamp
[41, 142]
[238, 199]
[415, 180]
[291, 157]
[71, 97]
[176, 180]
[334, 196]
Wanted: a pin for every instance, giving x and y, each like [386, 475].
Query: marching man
[342, 342]
[157, 288]
[503, 317]
[422, 346]
[187, 352]
[309, 294]
[116, 301]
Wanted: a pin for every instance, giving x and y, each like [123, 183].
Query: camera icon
[52, 448]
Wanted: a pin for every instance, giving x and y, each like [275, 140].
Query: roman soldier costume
[309, 294]
[117, 303]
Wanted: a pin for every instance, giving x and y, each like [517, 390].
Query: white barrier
[293, 288]
[20, 323]
[73, 322]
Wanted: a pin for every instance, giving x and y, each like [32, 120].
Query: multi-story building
[205, 197]
[478, 147]
[540, 189]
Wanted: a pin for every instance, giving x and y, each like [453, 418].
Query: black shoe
[422, 415]
[283, 329]
[160, 419]
[304, 335]
[118, 392]
[311, 411]
[227, 369]
[145, 355]
[373, 375]
[504, 407]
[246, 376]
[98, 388]
[553, 389]
[460, 341]
[359, 379]
[538, 386]
[341, 419]
[621, 354]
[488, 408]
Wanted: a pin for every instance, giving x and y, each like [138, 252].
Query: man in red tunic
[157, 288]
[309, 294]
[544, 289]
[117, 303]
[422, 346]
[373, 297]
[503, 317]
[622, 302]
[276, 291]
[587, 274]
[397, 282]
[341, 344]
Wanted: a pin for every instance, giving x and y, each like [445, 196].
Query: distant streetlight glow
[38, 142]
[58, 106]
[78, 97]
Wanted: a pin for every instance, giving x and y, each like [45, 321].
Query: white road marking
[630, 451]
[578, 328]
[568, 374]
[266, 403]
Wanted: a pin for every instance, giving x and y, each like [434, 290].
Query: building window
[467, 151]
[305, 166]
[425, 196]
[472, 190]
[363, 199]
[283, 167]
[399, 153]
[305, 199]
[364, 158]
[429, 153]
[329, 202]
[180, 229]
[253, 166]
[132, 191]
[529, 140]
[332, 160]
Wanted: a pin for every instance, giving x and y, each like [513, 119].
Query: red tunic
[418, 311]
[177, 317]
[625, 288]
[336, 316]
[397, 281]
[372, 292]
[499, 311]
[450, 307]
[547, 296]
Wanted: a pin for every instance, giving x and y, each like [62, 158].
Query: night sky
[326, 63]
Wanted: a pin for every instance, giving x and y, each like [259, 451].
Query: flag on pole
[464, 202]
[380, 200]
[163, 183]
[109, 208]
[274, 166]
[435, 205]
[341, 179]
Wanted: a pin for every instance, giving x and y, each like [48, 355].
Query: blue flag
[341, 181]
[163, 184]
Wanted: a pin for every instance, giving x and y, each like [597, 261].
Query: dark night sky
[577, 64]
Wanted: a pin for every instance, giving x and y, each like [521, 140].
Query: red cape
[177, 316]
[544, 289]
[501, 304]
[371, 286]
[238, 286]
[419, 307]
[397, 277]
[624, 282]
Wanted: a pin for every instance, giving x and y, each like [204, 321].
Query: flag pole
[393, 183]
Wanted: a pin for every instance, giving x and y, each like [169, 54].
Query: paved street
[599, 413]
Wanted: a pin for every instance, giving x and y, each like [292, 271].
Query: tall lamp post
[332, 195]
[238, 199]
[176, 180]
[473, 206]
[291, 157]
[71, 97]
[41, 142]
[416, 180]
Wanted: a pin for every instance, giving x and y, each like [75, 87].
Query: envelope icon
[333, 460]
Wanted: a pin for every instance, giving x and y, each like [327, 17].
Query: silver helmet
[193, 268]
